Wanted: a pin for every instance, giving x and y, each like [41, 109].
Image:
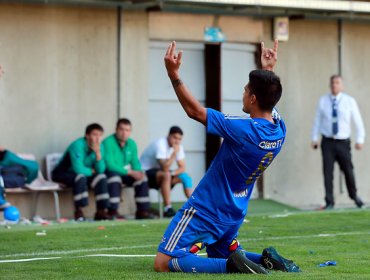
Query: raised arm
[189, 103]
[269, 56]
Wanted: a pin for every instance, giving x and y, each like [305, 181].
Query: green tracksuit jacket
[31, 166]
[80, 159]
[121, 159]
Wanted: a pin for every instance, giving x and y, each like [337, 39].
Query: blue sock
[196, 264]
[254, 257]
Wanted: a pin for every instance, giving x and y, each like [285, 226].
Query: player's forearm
[179, 170]
[166, 164]
[190, 104]
[268, 68]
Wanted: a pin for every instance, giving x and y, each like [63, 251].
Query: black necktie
[335, 116]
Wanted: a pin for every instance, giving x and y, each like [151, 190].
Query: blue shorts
[189, 227]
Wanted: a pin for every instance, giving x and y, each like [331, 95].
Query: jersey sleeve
[221, 125]
[100, 164]
[161, 150]
[77, 155]
[135, 162]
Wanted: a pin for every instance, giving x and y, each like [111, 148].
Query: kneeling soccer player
[216, 209]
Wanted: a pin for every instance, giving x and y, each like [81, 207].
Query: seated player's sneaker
[140, 215]
[239, 263]
[79, 216]
[101, 215]
[169, 213]
[115, 215]
[272, 260]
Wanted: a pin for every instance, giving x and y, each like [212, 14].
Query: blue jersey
[249, 146]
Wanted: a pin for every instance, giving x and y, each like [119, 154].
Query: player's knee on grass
[161, 262]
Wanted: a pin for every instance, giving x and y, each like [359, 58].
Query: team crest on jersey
[243, 193]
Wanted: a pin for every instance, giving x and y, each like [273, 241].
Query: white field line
[305, 236]
[29, 260]
[120, 256]
[129, 256]
[96, 255]
[68, 252]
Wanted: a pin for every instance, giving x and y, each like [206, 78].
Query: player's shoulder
[78, 143]
[160, 143]
[109, 139]
[325, 96]
[131, 142]
[348, 97]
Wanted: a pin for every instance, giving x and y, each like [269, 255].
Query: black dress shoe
[359, 202]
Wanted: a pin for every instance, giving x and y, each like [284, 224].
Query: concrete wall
[305, 64]
[60, 75]
[356, 71]
[190, 27]
[60, 68]
[134, 74]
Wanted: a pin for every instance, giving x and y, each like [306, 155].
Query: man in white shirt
[334, 114]
[157, 161]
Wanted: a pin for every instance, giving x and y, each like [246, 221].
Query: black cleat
[239, 263]
[272, 260]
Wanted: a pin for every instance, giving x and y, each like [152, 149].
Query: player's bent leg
[238, 260]
[164, 181]
[161, 262]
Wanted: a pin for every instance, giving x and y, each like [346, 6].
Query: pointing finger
[173, 49]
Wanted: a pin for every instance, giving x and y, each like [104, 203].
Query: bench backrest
[51, 162]
[39, 183]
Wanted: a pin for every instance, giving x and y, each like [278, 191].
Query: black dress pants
[334, 150]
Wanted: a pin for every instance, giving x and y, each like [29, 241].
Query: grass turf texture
[309, 238]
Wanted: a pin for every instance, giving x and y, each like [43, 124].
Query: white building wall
[60, 75]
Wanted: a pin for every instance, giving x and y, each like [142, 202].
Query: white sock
[169, 206]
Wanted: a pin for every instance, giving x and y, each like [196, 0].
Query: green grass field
[98, 250]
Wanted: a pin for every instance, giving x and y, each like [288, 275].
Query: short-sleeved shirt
[159, 149]
[249, 147]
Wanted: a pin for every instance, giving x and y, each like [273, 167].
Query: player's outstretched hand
[172, 61]
[269, 56]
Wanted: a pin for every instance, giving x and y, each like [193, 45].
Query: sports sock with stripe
[254, 257]
[196, 264]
